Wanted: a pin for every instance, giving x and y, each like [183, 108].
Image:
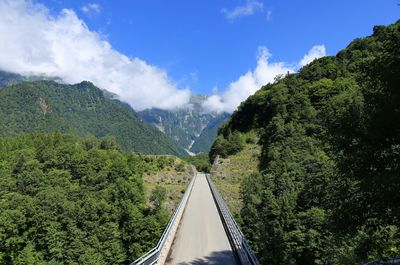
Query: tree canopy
[67, 200]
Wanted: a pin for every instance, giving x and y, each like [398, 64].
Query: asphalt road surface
[201, 238]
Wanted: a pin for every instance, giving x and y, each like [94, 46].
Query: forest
[71, 200]
[327, 191]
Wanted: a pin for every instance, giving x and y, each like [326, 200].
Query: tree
[157, 197]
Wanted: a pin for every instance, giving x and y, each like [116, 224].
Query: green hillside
[328, 181]
[46, 106]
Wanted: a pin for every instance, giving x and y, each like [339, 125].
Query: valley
[201, 132]
[191, 127]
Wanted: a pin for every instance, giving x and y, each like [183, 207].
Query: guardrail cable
[241, 247]
[153, 255]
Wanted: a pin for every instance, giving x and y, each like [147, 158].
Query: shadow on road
[216, 258]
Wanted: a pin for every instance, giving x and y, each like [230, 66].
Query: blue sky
[156, 53]
[195, 43]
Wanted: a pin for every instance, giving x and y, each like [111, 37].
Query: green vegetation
[47, 106]
[67, 200]
[170, 173]
[229, 172]
[228, 143]
[327, 190]
[200, 161]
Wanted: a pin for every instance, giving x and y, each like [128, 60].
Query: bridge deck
[201, 237]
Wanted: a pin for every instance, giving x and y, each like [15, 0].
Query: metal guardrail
[235, 235]
[153, 255]
[395, 260]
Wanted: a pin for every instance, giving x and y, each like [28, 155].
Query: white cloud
[91, 8]
[247, 84]
[264, 73]
[36, 43]
[316, 52]
[248, 9]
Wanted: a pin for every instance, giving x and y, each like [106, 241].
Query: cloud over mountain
[36, 43]
[316, 52]
[264, 73]
[247, 84]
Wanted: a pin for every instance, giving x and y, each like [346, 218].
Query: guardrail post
[239, 244]
[159, 254]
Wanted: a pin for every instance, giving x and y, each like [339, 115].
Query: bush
[224, 147]
[200, 161]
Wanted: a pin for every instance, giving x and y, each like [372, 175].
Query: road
[201, 237]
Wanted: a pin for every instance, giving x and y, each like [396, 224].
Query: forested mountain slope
[47, 106]
[327, 191]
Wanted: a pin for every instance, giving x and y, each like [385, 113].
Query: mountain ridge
[43, 106]
[191, 127]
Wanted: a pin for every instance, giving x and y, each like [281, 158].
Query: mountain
[190, 127]
[7, 78]
[46, 106]
[208, 134]
[326, 186]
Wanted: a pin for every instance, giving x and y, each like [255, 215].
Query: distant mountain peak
[186, 125]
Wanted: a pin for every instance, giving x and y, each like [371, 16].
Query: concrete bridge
[201, 231]
[201, 237]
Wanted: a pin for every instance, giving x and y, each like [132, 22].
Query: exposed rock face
[44, 106]
[186, 125]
